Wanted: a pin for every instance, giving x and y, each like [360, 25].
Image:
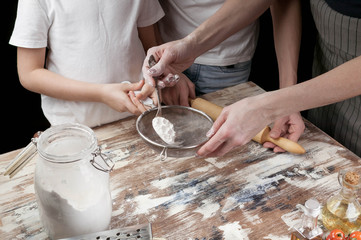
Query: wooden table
[251, 193]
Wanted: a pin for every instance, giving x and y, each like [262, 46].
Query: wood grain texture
[251, 193]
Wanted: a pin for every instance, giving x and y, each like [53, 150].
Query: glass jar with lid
[307, 227]
[342, 210]
[72, 182]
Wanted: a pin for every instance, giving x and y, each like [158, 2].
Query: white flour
[73, 198]
[234, 231]
[165, 129]
[62, 219]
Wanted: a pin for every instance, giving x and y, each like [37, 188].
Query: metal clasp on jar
[109, 164]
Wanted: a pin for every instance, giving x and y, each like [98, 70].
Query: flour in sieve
[165, 129]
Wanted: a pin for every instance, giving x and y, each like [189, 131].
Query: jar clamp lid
[32, 148]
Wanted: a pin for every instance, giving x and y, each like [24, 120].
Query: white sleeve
[150, 13]
[31, 25]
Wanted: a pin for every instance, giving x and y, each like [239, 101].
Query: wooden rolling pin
[213, 111]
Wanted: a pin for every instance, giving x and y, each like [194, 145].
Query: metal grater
[136, 232]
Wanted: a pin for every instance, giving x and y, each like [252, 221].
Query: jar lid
[66, 143]
[313, 207]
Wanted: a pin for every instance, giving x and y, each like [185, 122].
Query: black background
[21, 114]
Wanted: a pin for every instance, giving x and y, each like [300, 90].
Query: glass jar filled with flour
[72, 182]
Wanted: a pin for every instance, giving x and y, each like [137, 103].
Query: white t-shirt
[183, 16]
[88, 40]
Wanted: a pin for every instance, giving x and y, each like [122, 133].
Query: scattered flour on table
[204, 169]
[254, 219]
[233, 231]
[273, 237]
[175, 209]
[207, 209]
[119, 154]
[145, 203]
[169, 181]
[230, 204]
[214, 162]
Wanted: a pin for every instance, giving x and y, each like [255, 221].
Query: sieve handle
[163, 154]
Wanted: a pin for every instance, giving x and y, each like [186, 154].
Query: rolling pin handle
[214, 111]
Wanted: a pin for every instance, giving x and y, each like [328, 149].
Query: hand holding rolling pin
[242, 121]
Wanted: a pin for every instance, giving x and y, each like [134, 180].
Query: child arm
[34, 77]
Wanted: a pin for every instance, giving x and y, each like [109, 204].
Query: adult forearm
[286, 17]
[230, 18]
[336, 85]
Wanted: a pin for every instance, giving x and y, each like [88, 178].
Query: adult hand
[236, 126]
[290, 127]
[172, 58]
[179, 93]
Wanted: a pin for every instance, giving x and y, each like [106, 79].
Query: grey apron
[338, 41]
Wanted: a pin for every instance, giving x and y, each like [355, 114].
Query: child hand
[148, 91]
[120, 97]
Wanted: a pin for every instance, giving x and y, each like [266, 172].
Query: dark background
[21, 114]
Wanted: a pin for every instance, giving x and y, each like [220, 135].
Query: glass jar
[343, 211]
[72, 182]
[308, 227]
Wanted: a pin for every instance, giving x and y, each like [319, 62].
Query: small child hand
[117, 97]
[147, 91]
[137, 102]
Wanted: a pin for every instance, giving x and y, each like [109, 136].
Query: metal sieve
[190, 125]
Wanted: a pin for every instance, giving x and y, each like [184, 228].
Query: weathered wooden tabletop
[251, 193]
